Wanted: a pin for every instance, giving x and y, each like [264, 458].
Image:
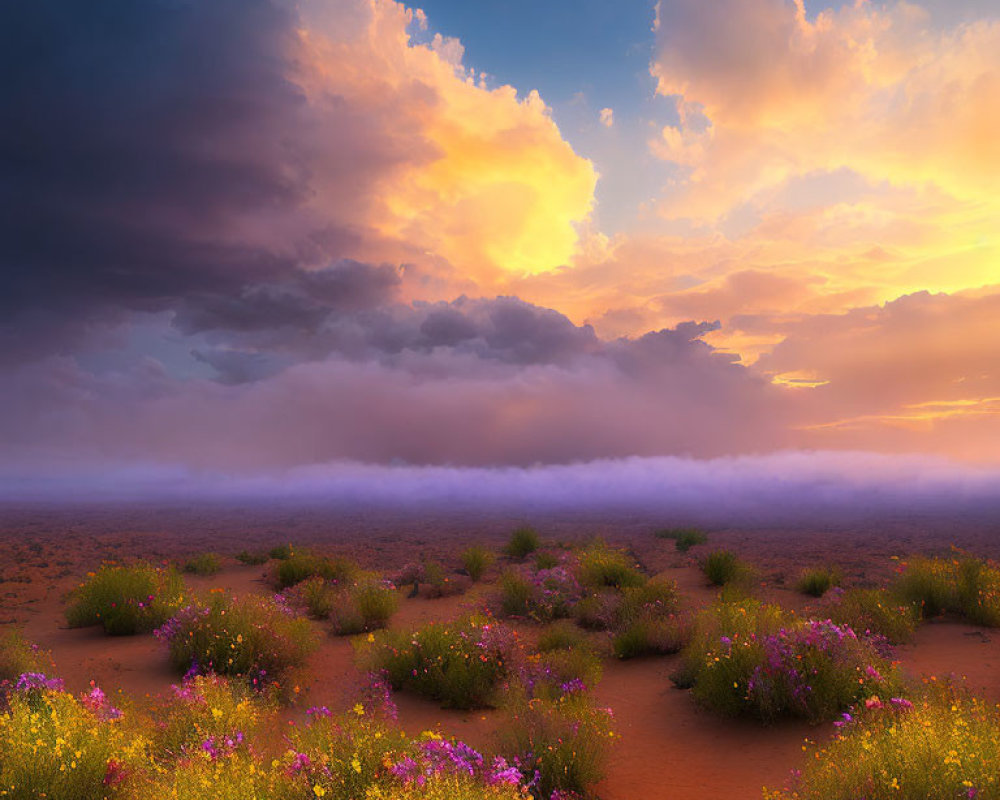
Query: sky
[243, 240]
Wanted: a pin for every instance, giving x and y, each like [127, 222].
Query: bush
[252, 558]
[602, 567]
[562, 635]
[945, 745]
[315, 596]
[546, 559]
[652, 637]
[543, 595]
[256, 638]
[365, 605]
[642, 619]
[684, 538]
[204, 564]
[969, 587]
[459, 664]
[723, 567]
[523, 542]
[748, 658]
[55, 745]
[239, 776]
[126, 599]
[874, 611]
[564, 740]
[17, 657]
[205, 714]
[475, 561]
[439, 583]
[816, 582]
[302, 565]
[281, 552]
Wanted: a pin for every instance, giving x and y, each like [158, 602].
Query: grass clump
[874, 611]
[547, 559]
[944, 745]
[126, 600]
[437, 581]
[750, 658]
[281, 552]
[475, 561]
[364, 605]
[204, 564]
[300, 566]
[563, 743]
[460, 664]
[55, 745]
[818, 581]
[523, 542]
[256, 638]
[724, 568]
[966, 586]
[600, 566]
[684, 538]
[18, 657]
[252, 558]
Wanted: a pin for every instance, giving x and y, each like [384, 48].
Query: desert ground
[669, 747]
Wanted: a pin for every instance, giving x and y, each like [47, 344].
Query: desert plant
[818, 581]
[18, 657]
[542, 595]
[301, 565]
[874, 611]
[55, 745]
[563, 744]
[252, 558]
[437, 581]
[206, 774]
[945, 744]
[969, 587]
[547, 559]
[126, 599]
[684, 538]
[460, 664]
[523, 542]
[315, 596]
[204, 564]
[475, 561]
[281, 552]
[600, 566]
[256, 638]
[723, 567]
[366, 604]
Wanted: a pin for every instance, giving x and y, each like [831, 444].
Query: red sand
[669, 748]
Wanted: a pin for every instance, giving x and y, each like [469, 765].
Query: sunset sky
[243, 237]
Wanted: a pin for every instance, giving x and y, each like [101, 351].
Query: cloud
[607, 117]
[165, 150]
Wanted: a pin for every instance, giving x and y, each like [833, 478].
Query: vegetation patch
[126, 599]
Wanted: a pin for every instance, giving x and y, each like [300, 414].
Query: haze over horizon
[309, 247]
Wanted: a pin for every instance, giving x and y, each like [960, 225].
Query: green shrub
[252, 558]
[523, 542]
[204, 564]
[747, 658]
[546, 559]
[460, 664]
[945, 745]
[18, 656]
[302, 565]
[542, 595]
[281, 552]
[651, 637]
[600, 566]
[253, 637]
[126, 599]
[969, 587]
[684, 538]
[566, 741]
[562, 635]
[723, 567]
[53, 745]
[364, 605]
[475, 561]
[874, 611]
[437, 580]
[315, 596]
[817, 582]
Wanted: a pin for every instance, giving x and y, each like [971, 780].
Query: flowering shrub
[18, 657]
[560, 745]
[459, 664]
[364, 605]
[204, 564]
[542, 595]
[944, 745]
[258, 638]
[316, 597]
[300, 565]
[203, 776]
[747, 659]
[873, 611]
[967, 586]
[817, 582]
[126, 599]
[565, 662]
[252, 558]
[723, 567]
[55, 745]
[204, 714]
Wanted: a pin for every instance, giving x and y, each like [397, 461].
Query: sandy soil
[669, 748]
